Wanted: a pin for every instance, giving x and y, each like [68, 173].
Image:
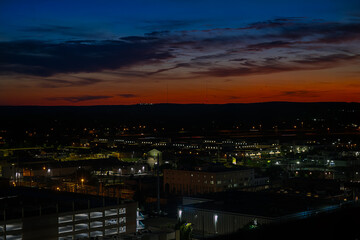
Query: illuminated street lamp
[82, 182]
[216, 217]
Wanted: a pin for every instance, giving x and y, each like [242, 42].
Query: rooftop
[215, 168]
[264, 204]
[13, 200]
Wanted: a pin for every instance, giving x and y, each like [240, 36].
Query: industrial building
[41, 214]
[227, 212]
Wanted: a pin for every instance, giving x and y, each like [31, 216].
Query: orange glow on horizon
[302, 86]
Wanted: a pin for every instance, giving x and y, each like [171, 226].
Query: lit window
[81, 226]
[111, 231]
[122, 229]
[95, 214]
[81, 236]
[64, 219]
[14, 226]
[122, 210]
[81, 216]
[110, 221]
[96, 224]
[68, 228]
[96, 234]
[122, 220]
[110, 212]
[66, 238]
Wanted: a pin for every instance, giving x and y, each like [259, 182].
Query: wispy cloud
[61, 30]
[127, 95]
[78, 99]
[41, 58]
[179, 65]
[166, 25]
[302, 93]
[268, 45]
[268, 67]
[328, 59]
[256, 48]
[74, 82]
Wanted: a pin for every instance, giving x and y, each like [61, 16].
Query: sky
[180, 51]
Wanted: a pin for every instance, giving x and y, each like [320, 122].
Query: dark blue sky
[111, 19]
[199, 51]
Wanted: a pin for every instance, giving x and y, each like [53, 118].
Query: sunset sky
[178, 51]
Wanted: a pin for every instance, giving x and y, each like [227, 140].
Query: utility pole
[158, 183]
[203, 224]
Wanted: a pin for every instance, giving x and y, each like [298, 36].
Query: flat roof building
[227, 212]
[42, 214]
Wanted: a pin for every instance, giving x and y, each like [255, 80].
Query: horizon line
[151, 104]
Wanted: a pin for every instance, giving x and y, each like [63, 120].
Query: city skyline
[113, 53]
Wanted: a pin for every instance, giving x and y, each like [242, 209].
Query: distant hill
[187, 115]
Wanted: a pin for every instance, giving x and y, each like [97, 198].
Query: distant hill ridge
[183, 113]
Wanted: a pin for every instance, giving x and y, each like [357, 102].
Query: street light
[215, 222]
[179, 214]
[82, 182]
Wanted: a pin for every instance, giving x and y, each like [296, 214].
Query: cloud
[127, 95]
[236, 97]
[158, 33]
[75, 82]
[60, 30]
[220, 48]
[212, 56]
[284, 32]
[274, 23]
[327, 59]
[268, 45]
[245, 71]
[297, 94]
[301, 93]
[48, 28]
[179, 65]
[318, 32]
[137, 38]
[337, 33]
[239, 59]
[41, 58]
[268, 67]
[78, 99]
[165, 25]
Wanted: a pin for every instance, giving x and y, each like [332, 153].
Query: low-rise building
[191, 182]
[227, 212]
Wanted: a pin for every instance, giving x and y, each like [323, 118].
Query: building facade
[109, 221]
[199, 182]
